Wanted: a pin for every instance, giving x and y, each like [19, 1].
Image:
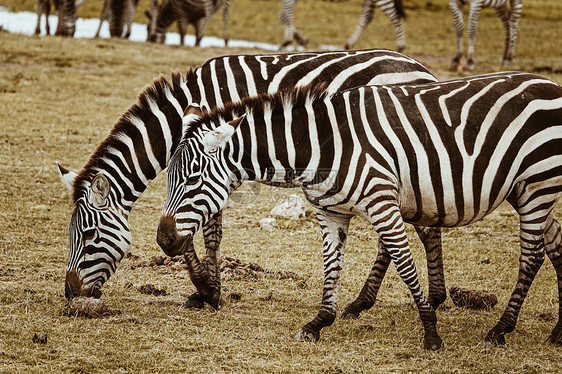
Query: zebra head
[99, 233]
[199, 183]
[154, 32]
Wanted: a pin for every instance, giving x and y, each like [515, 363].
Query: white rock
[294, 208]
[267, 224]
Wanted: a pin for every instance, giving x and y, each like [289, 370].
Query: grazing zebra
[66, 13]
[120, 15]
[142, 141]
[394, 10]
[44, 7]
[509, 17]
[440, 154]
[195, 12]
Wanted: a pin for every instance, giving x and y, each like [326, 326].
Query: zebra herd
[368, 133]
[120, 14]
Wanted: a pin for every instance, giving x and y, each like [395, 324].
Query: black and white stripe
[184, 12]
[439, 154]
[141, 143]
[393, 9]
[509, 17]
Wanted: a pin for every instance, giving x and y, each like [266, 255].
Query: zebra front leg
[530, 261]
[364, 19]
[390, 226]
[212, 233]
[456, 9]
[368, 294]
[475, 8]
[513, 31]
[287, 17]
[396, 14]
[431, 240]
[226, 20]
[334, 233]
[504, 14]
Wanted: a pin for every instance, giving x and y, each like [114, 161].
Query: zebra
[142, 141]
[67, 17]
[441, 154]
[120, 16]
[196, 12]
[44, 7]
[394, 10]
[510, 20]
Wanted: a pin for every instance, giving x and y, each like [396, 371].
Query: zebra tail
[399, 5]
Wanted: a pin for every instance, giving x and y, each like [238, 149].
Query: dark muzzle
[73, 287]
[168, 238]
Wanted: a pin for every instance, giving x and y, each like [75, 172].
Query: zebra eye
[192, 180]
[89, 234]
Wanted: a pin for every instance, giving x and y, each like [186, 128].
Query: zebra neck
[141, 143]
[283, 147]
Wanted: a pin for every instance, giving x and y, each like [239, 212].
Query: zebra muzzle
[73, 287]
[168, 238]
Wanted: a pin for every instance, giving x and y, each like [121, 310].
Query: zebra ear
[100, 189]
[191, 113]
[67, 177]
[217, 138]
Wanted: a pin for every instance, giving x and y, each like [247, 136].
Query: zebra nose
[73, 285]
[168, 237]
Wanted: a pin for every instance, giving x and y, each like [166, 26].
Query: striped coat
[440, 154]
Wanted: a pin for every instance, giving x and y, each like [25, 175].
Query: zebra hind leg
[334, 233]
[532, 230]
[431, 239]
[553, 245]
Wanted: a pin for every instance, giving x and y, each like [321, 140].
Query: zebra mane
[257, 104]
[127, 126]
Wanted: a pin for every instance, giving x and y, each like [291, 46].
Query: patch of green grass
[60, 97]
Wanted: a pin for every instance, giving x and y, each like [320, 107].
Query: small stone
[40, 338]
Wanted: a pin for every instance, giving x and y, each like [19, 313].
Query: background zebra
[67, 17]
[509, 17]
[120, 15]
[141, 143]
[443, 154]
[196, 12]
[394, 10]
[44, 7]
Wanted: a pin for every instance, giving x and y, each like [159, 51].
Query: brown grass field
[60, 97]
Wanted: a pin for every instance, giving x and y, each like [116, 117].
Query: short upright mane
[153, 93]
[289, 96]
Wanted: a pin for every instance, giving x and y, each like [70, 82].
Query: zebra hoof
[306, 335]
[495, 338]
[432, 342]
[194, 301]
[348, 314]
[507, 63]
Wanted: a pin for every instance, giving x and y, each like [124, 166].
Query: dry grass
[60, 97]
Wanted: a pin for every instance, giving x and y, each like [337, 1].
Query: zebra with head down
[439, 154]
[143, 140]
